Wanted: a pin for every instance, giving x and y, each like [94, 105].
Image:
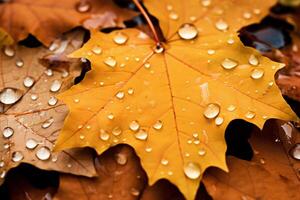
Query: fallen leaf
[173, 102]
[271, 174]
[31, 116]
[48, 19]
[5, 39]
[120, 176]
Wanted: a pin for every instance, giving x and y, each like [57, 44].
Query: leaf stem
[144, 13]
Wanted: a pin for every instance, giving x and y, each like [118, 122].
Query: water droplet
[31, 143]
[159, 49]
[55, 86]
[262, 161]
[17, 156]
[173, 15]
[2, 163]
[164, 161]
[257, 73]
[65, 74]
[3, 174]
[188, 32]
[229, 63]
[231, 108]
[192, 170]
[135, 192]
[295, 151]
[34, 97]
[201, 152]
[19, 62]
[104, 135]
[130, 91]
[120, 95]
[117, 131]
[28, 82]
[9, 51]
[43, 153]
[47, 123]
[52, 101]
[134, 125]
[211, 111]
[97, 50]
[8, 132]
[83, 6]
[110, 61]
[120, 38]
[10, 96]
[206, 3]
[49, 72]
[253, 60]
[250, 115]
[121, 158]
[141, 134]
[148, 149]
[247, 15]
[221, 25]
[110, 116]
[219, 121]
[158, 125]
[81, 137]
[211, 52]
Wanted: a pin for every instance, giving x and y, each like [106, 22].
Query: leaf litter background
[254, 165]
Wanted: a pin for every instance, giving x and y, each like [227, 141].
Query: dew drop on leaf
[7, 132]
[231, 108]
[159, 49]
[97, 50]
[295, 151]
[110, 61]
[253, 60]
[121, 159]
[34, 97]
[9, 51]
[120, 38]
[49, 72]
[141, 134]
[116, 131]
[211, 111]
[135, 192]
[104, 135]
[83, 6]
[130, 91]
[229, 63]
[9, 96]
[147, 65]
[19, 62]
[219, 121]
[164, 161]
[201, 152]
[120, 95]
[110, 116]
[250, 115]
[17, 156]
[257, 73]
[28, 81]
[173, 15]
[55, 86]
[52, 101]
[206, 3]
[31, 143]
[211, 52]
[221, 25]
[192, 170]
[43, 153]
[158, 125]
[47, 123]
[134, 125]
[187, 32]
[3, 174]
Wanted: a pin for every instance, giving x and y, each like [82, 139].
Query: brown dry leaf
[120, 176]
[272, 173]
[31, 116]
[47, 19]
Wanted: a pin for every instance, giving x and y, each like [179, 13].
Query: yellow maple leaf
[173, 102]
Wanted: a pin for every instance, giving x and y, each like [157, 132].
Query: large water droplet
[121, 158]
[295, 151]
[17, 156]
[120, 38]
[134, 125]
[9, 51]
[52, 101]
[229, 63]
[221, 25]
[188, 31]
[104, 135]
[110, 61]
[7, 132]
[211, 111]
[55, 86]
[28, 82]
[158, 125]
[43, 153]
[192, 170]
[253, 60]
[141, 134]
[47, 123]
[83, 6]
[257, 73]
[31, 143]
[10, 96]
